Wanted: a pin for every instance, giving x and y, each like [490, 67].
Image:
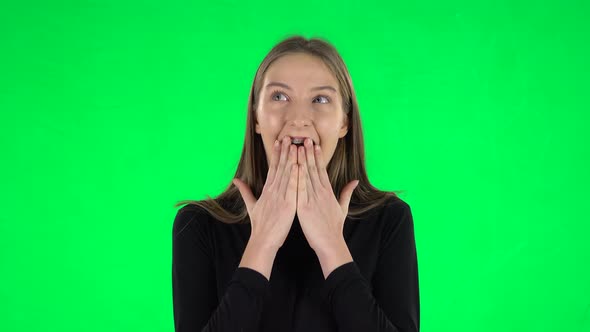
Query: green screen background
[111, 111]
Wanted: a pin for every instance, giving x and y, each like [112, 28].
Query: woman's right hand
[271, 216]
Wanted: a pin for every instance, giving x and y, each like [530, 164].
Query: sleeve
[195, 303]
[394, 303]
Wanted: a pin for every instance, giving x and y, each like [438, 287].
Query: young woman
[301, 241]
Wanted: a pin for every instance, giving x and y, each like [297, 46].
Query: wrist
[333, 256]
[263, 246]
[259, 256]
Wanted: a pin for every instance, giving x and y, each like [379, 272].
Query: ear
[344, 129]
[257, 126]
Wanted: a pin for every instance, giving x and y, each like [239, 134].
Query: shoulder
[189, 218]
[396, 207]
[395, 214]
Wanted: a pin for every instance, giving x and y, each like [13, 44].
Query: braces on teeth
[300, 141]
[297, 141]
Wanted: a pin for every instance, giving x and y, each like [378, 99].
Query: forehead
[300, 70]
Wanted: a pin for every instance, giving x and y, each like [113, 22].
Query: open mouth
[298, 141]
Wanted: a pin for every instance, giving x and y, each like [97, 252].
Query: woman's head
[302, 88]
[300, 97]
[329, 117]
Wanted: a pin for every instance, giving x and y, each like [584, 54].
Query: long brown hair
[347, 163]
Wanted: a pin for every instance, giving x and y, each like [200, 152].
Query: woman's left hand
[320, 214]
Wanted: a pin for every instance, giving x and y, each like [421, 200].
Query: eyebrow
[323, 87]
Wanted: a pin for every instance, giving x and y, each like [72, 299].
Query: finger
[302, 188]
[282, 161]
[246, 193]
[322, 172]
[346, 194]
[312, 167]
[291, 194]
[274, 161]
[288, 170]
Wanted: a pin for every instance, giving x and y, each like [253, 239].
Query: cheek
[269, 118]
[328, 122]
[328, 136]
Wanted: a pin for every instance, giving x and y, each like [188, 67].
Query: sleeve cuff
[253, 280]
[341, 276]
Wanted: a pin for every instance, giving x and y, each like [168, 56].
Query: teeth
[297, 140]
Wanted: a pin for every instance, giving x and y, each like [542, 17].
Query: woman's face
[300, 97]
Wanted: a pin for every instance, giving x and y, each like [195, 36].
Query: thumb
[246, 193]
[346, 194]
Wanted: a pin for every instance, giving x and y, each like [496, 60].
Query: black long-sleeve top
[377, 291]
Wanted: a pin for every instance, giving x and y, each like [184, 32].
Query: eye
[276, 93]
[327, 100]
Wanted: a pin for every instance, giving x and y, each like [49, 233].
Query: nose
[299, 115]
